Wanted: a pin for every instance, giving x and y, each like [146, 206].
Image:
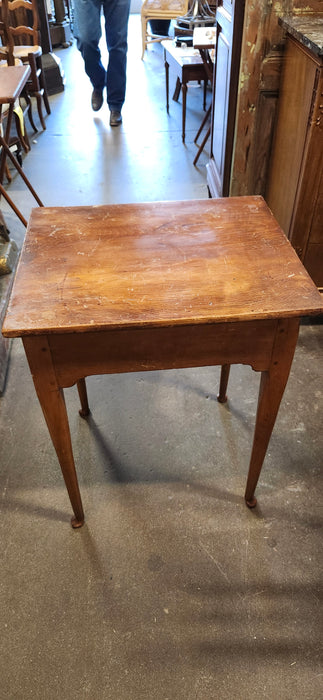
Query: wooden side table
[187, 65]
[136, 287]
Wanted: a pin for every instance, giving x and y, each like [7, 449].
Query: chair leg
[177, 90]
[30, 112]
[46, 102]
[202, 146]
[143, 36]
[23, 137]
[40, 110]
[204, 93]
[44, 90]
[203, 124]
[8, 174]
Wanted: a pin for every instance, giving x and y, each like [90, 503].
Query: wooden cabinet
[295, 184]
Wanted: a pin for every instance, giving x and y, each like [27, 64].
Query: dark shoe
[115, 118]
[96, 100]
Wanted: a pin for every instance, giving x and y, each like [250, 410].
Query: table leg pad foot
[76, 523]
[252, 502]
[222, 399]
[84, 413]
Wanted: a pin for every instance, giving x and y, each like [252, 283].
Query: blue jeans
[87, 30]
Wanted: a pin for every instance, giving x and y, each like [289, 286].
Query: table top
[156, 264]
[307, 29]
[204, 37]
[182, 55]
[13, 79]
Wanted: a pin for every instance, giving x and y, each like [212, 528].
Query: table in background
[134, 287]
[187, 65]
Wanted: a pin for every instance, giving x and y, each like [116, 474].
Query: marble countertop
[308, 29]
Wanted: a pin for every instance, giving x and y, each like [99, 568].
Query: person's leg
[116, 14]
[87, 30]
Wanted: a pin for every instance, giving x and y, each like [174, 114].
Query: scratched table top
[158, 264]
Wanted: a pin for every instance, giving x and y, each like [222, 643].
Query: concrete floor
[173, 589]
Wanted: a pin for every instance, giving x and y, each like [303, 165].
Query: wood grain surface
[156, 264]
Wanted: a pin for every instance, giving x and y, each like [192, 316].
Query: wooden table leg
[184, 93]
[272, 386]
[222, 395]
[167, 84]
[52, 401]
[177, 90]
[81, 387]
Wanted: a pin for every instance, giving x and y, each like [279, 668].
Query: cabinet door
[229, 34]
[291, 137]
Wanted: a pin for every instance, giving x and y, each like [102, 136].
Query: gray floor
[173, 589]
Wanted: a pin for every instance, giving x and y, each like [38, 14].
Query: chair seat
[22, 52]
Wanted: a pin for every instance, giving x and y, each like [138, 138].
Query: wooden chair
[21, 20]
[159, 9]
[20, 140]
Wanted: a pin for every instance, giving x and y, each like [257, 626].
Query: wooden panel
[262, 37]
[139, 350]
[313, 261]
[317, 221]
[290, 139]
[263, 139]
[307, 219]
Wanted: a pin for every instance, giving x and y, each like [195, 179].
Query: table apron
[77, 355]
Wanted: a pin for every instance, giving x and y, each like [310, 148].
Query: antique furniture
[18, 111]
[13, 79]
[136, 287]
[187, 65]
[23, 32]
[295, 184]
[158, 9]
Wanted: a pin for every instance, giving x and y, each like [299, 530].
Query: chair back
[4, 37]
[22, 20]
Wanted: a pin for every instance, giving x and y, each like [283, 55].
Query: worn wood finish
[154, 286]
[295, 183]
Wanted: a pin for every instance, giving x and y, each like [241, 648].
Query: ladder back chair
[23, 36]
[20, 140]
[159, 9]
